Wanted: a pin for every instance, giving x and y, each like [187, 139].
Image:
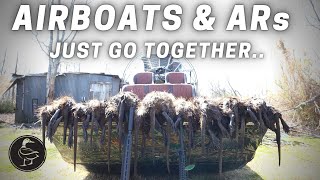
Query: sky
[252, 77]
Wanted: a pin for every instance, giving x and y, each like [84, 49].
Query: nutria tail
[278, 138]
[285, 126]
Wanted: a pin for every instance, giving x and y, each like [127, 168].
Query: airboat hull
[94, 156]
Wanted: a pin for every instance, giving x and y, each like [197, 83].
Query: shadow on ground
[243, 173]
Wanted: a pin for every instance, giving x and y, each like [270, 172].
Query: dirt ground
[300, 160]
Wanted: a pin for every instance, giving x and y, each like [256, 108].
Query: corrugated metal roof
[80, 73]
[77, 73]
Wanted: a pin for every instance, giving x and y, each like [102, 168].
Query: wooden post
[109, 141]
[91, 130]
[75, 139]
[153, 121]
[220, 157]
[182, 157]
[203, 133]
[65, 123]
[136, 156]
[242, 131]
[168, 147]
[43, 124]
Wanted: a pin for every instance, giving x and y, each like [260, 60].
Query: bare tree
[314, 18]
[55, 37]
[3, 62]
[217, 91]
[299, 88]
[17, 61]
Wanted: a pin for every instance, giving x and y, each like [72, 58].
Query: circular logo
[27, 153]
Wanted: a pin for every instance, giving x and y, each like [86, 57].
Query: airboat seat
[138, 89]
[176, 78]
[143, 78]
[178, 90]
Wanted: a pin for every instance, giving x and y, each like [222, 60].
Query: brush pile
[160, 112]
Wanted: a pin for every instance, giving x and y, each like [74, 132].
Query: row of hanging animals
[161, 111]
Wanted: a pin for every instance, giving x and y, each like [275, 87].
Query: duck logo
[27, 153]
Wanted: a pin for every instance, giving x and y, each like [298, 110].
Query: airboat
[177, 77]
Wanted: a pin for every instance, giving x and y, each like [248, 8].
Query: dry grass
[299, 82]
[7, 118]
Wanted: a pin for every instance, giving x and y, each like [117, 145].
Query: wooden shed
[31, 90]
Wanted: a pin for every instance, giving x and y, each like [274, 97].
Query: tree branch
[314, 10]
[74, 35]
[302, 104]
[41, 44]
[312, 24]
[69, 35]
[236, 93]
[316, 18]
[63, 39]
[89, 1]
